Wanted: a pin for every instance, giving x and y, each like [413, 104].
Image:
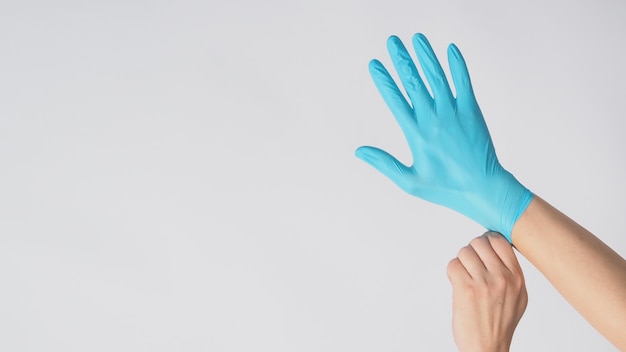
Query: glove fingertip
[419, 36]
[453, 51]
[364, 154]
[396, 47]
[376, 67]
[358, 151]
[393, 40]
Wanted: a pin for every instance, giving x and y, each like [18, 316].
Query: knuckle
[519, 283]
[464, 251]
[466, 287]
[451, 268]
[478, 241]
[452, 264]
[475, 241]
[499, 283]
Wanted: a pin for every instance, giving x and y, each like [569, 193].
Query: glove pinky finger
[386, 164]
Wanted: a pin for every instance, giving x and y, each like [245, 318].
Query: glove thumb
[386, 164]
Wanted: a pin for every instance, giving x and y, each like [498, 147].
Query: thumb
[386, 164]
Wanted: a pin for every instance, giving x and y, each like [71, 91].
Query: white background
[180, 175]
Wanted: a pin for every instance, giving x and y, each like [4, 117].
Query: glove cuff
[516, 200]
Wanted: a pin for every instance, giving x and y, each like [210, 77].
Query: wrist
[502, 347]
[516, 201]
[497, 202]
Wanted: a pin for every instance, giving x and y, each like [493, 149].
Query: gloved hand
[455, 164]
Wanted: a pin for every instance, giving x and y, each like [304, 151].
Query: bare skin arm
[587, 272]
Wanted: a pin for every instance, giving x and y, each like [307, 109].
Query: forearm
[588, 273]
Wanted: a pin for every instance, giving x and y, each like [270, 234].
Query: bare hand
[489, 294]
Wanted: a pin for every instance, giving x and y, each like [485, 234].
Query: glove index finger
[392, 95]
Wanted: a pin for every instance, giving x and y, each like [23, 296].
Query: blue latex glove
[455, 164]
